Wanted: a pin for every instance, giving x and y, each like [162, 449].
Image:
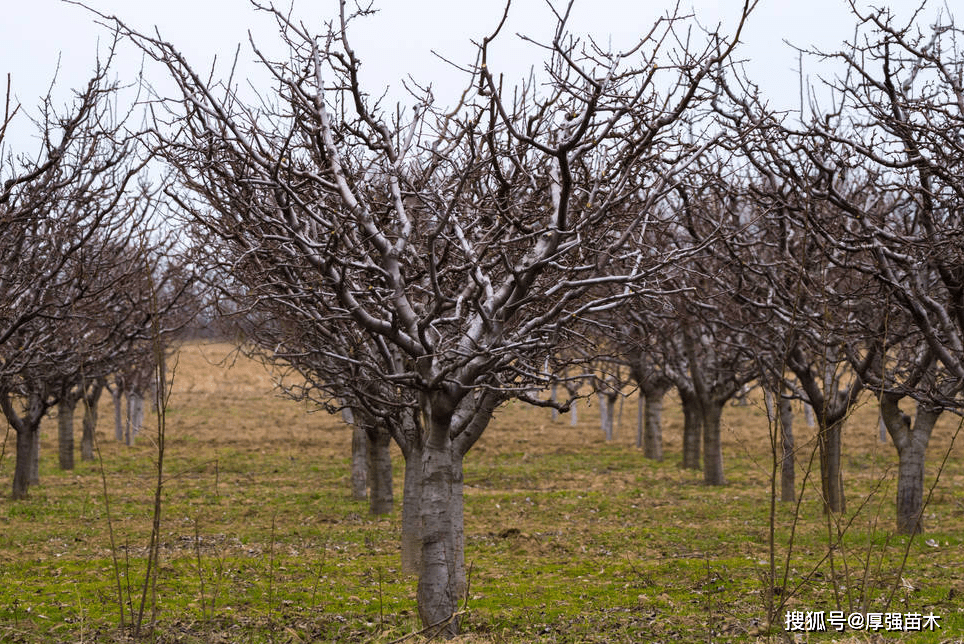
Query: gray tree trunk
[911, 442]
[135, 415]
[692, 430]
[607, 412]
[640, 417]
[438, 576]
[554, 397]
[829, 443]
[712, 443]
[780, 417]
[91, 398]
[27, 428]
[65, 430]
[411, 518]
[21, 471]
[653, 419]
[572, 388]
[380, 499]
[117, 395]
[359, 463]
[35, 455]
[788, 489]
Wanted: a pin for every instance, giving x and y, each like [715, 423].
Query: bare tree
[460, 246]
[56, 211]
[870, 186]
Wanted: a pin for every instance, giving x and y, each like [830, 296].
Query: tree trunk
[65, 430]
[135, 415]
[359, 462]
[381, 498]
[712, 443]
[829, 439]
[21, 471]
[117, 395]
[438, 576]
[607, 412]
[91, 399]
[911, 442]
[554, 397]
[787, 471]
[653, 417]
[572, 388]
[411, 518]
[692, 431]
[34, 465]
[640, 417]
[27, 467]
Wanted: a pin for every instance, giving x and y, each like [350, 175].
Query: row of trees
[88, 284]
[418, 268]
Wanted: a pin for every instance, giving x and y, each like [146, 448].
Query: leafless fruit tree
[451, 249]
[63, 215]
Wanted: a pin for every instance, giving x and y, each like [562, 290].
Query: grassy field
[568, 538]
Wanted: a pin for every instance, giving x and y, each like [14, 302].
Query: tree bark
[607, 412]
[640, 417]
[554, 397]
[117, 395]
[712, 443]
[653, 420]
[911, 442]
[829, 443]
[572, 388]
[438, 577]
[380, 499]
[65, 430]
[411, 509]
[692, 430]
[359, 462]
[21, 471]
[788, 491]
[135, 415]
[34, 470]
[27, 427]
[91, 399]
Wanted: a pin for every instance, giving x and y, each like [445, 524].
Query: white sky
[397, 41]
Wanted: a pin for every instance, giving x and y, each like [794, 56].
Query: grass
[570, 539]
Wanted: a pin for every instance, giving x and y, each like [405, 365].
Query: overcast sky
[400, 39]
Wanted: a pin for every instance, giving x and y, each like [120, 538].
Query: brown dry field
[214, 376]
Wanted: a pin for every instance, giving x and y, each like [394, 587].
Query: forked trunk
[65, 431]
[712, 444]
[381, 498]
[359, 463]
[910, 490]
[911, 442]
